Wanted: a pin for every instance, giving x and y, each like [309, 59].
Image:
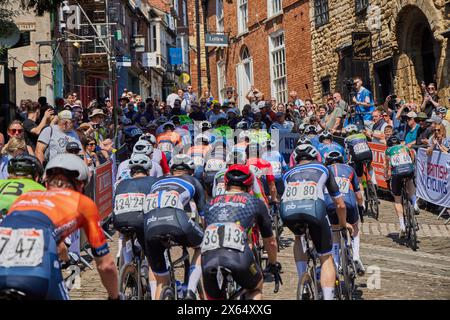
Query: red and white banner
[104, 189]
[378, 152]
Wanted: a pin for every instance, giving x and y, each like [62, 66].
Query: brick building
[409, 43]
[269, 46]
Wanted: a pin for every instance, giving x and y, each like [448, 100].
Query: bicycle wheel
[129, 284]
[413, 228]
[346, 286]
[307, 289]
[167, 293]
[373, 198]
[276, 222]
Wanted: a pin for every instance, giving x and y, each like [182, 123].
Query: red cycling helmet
[239, 175]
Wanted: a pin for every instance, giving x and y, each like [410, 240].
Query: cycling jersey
[347, 181]
[160, 157]
[326, 148]
[124, 172]
[261, 168]
[68, 210]
[167, 141]
[277, 161]
[259, 136]
[314, 140]
[400, 160]
[11, 189]
[198, 154]
[358, 151]
[176, 192]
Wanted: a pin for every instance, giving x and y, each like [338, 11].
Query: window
[278, 67]
[321, 12]
[325, 86]
[221, 81]
[124, 14]
[219, 15]
[242, 15]
[274, 7]
[154, 39]
[185, 13]
[361, 5]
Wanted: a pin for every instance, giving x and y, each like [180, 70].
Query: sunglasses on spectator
[14, 131]
[91, 144]
[437, 130]
[431, 88]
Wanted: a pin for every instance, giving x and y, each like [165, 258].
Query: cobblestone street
[404, 274]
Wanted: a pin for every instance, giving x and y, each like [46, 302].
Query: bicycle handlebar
[275, 269]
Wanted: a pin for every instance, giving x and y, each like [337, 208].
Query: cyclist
[303, 203]
[358, 152]
[42, 219]
[168, 140]
[205, 128]
[24, 171]
[198, 153]
[129, 202]
[327, 145]
[345, 177]
[262, 169]
[312, 134]
[399, 166]
[166, 214]
[235, 213]
[277, 162]
[132, 134]
[301, 140]
[157, 155]
[215, 161]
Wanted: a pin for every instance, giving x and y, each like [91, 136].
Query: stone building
[409, 44]
[269, 46]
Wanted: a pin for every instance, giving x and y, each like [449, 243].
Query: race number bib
[220, 189]
[199, 161]
[21, 247]
[224, 235]
[276, 167]
[129, 202]
[344, 184]
[165, 147]
[215, 165]
[257, 171]
[167, 199]
[401, 159]
[361, 148]
[298, 191]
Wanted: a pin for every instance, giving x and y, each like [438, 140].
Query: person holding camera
[32, 129]
[363, 99]
[430, 99]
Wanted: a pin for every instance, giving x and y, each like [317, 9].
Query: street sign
[26, 26]
[139, 43]
[175, 56]
[30, 69]
[149, 59]
[362, 46]
[123, 61]
[216, 40]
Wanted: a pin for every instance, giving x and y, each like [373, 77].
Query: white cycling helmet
[236, 158]
[143, 147]
[140, 160]
[269, 143]
[205, 125]
[148, 137]
[71, 164]
[201, 138]
[351, 128]
[181, 162]
[244, 125]
[305, 152]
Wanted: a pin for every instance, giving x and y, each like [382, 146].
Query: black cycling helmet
[305, 152]
[303, 140]
[393, 141]
[25, 165]
[324, 136]
[310, 130]
[333, 157]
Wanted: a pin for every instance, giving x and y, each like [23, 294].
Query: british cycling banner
[433, 177]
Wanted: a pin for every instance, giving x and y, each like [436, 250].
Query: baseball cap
[73, 146]
[422, 115]
[411, 114]
[65, 115]
[434, 118]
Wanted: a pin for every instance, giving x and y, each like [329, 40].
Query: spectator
[78, 115]
[281, 123]
[142, 113]
[2, 140]
[413, 128]
[322, 113]
[377, 131]
[280, 108]
[32, 130]
[216, 113]
[16, 146]
[16, 130]
[333, 118]
[99, 131]
[340, 103]
[54, 138]
[274, 105]
[177, 108]
[254, 96]
[430, 99]
[388, 132]
[437, 140]
[247, 113]
[206, 99]
[189, 98]
[196, 113]
[123, 101]
[442, 113]
[424, 132]
[129, 112]
[363, 100]
[268, 116]
[91, 159]
[401, 121]
[387, 119]
[309, 105]
[297, 102]
[302, 115]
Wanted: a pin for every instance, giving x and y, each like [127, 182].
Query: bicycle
[277, 224]
[370, 192]
[346, 273]
[308, 287]
[409, 217]
[133, 276]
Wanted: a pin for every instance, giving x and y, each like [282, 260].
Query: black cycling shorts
[396, 183]
[358, 161]
[173, 222]
[244, 269]
[295, 214]
[131, 220]
[352, 214]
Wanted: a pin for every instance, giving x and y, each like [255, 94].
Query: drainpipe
[199, 68]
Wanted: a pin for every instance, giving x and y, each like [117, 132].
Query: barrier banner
[104, 189]
[433, 177]
[287, 143]
[378, 153]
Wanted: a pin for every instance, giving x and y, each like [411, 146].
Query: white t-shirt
[171, 99]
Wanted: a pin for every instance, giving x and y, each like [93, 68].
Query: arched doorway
[418, 52]
[244, 75]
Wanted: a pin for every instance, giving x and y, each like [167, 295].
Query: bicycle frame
[169, 244]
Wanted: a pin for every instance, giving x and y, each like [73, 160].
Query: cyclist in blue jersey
[167, 204]
[327, 145]
[303, 203]
[275, 158]
[347, 181]
[311, 133]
